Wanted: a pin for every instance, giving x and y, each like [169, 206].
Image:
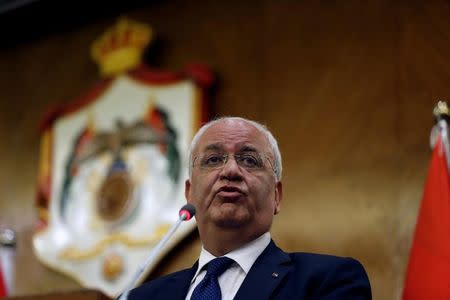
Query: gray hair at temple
[277, 165]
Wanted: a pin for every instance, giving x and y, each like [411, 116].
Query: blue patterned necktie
[208, 288]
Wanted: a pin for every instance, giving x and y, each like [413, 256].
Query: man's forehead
[236, 132]
[238, 128]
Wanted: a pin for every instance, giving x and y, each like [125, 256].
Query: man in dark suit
[235, 184]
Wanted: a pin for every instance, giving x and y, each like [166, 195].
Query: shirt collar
[244, 256]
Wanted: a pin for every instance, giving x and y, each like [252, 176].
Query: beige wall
[347, 88]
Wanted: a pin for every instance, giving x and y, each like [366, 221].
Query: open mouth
[229, 192]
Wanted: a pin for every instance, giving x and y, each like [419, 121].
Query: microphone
[185, 214]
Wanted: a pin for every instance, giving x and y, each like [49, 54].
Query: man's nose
[231, 169]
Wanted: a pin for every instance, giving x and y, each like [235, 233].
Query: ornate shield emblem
[113, 166]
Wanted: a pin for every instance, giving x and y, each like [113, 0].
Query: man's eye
[212, 160]
[249, 161]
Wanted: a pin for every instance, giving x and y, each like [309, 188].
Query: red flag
[2, 284]
[428, 274]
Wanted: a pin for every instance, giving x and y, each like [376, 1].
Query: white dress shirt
[232, 278]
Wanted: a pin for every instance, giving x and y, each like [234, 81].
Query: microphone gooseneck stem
[152, 256]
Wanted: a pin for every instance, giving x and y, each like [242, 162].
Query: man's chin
[230, 215]
[230, 223]
[233, 221]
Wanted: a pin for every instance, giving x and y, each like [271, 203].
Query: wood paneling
[347, 87]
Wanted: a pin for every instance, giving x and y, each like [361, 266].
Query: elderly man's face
[233, 184]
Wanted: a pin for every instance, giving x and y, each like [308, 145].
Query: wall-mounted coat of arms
[113, 164]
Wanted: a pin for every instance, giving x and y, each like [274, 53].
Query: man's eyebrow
[213, 147]
[248, 148]
[219, 148]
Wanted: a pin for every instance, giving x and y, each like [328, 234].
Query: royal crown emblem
[120, 48]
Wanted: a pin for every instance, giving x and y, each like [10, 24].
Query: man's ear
[278, 196]
[187, 189]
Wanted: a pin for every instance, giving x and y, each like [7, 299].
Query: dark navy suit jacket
[277, 275]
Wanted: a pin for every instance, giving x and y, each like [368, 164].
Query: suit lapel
[265, 275]
[177, 286]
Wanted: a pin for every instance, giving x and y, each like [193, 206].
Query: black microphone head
[187, 212]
